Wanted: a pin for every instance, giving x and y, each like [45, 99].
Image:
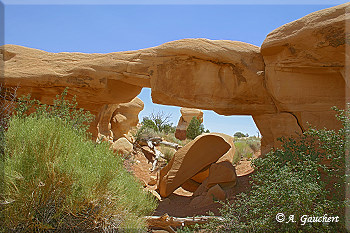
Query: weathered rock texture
[295, 78]
[208, 151]
[186, 116]
[115, 120]
[125, 117]
[305, 73]
[122, 146]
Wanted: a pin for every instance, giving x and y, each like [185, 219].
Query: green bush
[56, 179]
[62, 108]
[304, 177]
[195, 128]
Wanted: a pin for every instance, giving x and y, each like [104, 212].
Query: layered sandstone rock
[196, 157]
[219, 75]
[305, 73]
[295, 78]
[186, 116]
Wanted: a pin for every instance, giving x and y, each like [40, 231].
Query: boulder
[203, 188]
[186, 116]
[201, 176]
[205, 150]
[190, 185]
[124, 117]
[122, 146]
[222, 173]
[216, 192]
[201, 201]
[152, 181]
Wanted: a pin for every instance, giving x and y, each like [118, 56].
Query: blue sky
[119, 27]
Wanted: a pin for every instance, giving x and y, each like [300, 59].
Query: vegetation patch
[57, 179]
[306, 177]
[246, 148]
[195, 128]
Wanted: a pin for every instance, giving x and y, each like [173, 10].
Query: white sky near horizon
[108, 27]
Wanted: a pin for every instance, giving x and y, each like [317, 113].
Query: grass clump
[168, 152]
[246, 148]
[58, 180]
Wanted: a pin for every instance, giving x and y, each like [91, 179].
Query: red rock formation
[186, 116]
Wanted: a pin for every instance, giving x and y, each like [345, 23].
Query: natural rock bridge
[296, 76]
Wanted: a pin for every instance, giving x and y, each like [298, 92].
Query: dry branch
[170, 144]
[153, 142]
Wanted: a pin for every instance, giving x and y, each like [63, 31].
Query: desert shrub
[167, 152]
[7, 103]
[154, 125]
[195, 128]
[254, 144]
[246, 148]
[304, 177]
[145, 133]
[62, 108]
[56, 179]
[242, 151]
[171, 138]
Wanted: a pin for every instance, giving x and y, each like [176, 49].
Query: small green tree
[195, 128]
[239, 135]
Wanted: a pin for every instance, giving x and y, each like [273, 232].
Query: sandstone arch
[296, 76]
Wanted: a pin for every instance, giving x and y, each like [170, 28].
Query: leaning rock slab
[205, 150]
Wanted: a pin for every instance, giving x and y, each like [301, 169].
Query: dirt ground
[177, 204]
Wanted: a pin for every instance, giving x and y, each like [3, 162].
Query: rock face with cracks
[294, 79]
[305, 73]
[186, 116]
